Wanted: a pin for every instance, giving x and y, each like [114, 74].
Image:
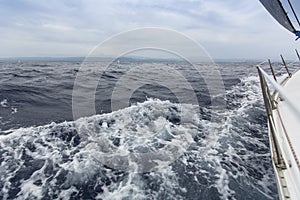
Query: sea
[145, 150]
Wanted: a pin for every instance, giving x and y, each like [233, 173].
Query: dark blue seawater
[45, 154]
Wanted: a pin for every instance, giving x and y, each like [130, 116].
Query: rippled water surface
[144, 151]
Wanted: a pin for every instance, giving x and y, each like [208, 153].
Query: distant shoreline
[106, 59]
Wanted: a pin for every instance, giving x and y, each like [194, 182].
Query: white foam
[30, 191]
[140, 128]
[223, 185]
[4, 103]
[122, 139]
[14, 110]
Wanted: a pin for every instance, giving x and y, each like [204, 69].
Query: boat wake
[145, 151]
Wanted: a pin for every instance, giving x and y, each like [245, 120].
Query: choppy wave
[145, 152]
[6, 109]
[100, 152]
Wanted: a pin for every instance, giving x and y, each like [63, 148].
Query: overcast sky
[225, 28]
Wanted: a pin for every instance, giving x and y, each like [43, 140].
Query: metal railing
[285, 66]
[270, 105]
[271, 101]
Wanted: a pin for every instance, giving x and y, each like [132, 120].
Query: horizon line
[107, 58]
